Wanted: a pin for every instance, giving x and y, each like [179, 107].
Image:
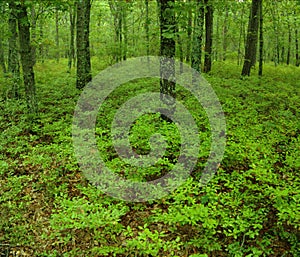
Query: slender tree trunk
[276, 34]
[189, 32]
[208, 36]
[57, 34]
[41, 47]
[251, 44]
[261, 40]
[2, 56]
[2, 59]
[72, 37]
[241, 36]
[288, 57]
[125, 30]
[167, 52]
[225, 32]
[84, 75]
[13, 51]
[297, 45]
[27, 58]
[180, 48]
[117, 13]
[147, 23]
[33, 33]
[197, 37]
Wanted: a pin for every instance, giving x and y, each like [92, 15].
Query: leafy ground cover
[251, 207]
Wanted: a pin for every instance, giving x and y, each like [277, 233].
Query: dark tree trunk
[13, 54]
[197, 37]
[84, 75]
[251, 43]
[27, 58]
[2, 59]
[71, 56]
[167, 52]
[208, 36]
[261, 40]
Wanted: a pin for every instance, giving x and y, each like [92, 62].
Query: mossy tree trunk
[197, 36]
[167, 53]
[84, 75]
[261, 40]
[27, 59]
[13, 54]
[252, 37]
[208, 35]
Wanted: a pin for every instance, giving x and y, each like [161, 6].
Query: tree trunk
[41, 47]
[167, 50]
[57, 34]
[197, 37]
[208, 36]
[251, 44]
[71, 56]
[288, 57]
[241, 35]
[33, 33]
[2, 59]
[84, 75]
[13, 54]
[147, 23]
[261, 40]
[26, 58]
[189, 32]
[125, 30]
[116, 10]
[225, 32]
[297, 45]
[276, 34]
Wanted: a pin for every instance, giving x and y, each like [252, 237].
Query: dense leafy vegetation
[250, 208]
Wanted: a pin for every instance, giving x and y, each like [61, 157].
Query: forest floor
[251, 207]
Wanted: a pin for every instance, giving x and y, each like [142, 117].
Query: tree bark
[225, 32]
[13, 54]
[57, 34]
[167, 52]
[147, 23]
[251, 43]
[297, 45]
[288, 57]
[208, 36]
[33, 33]
[189, 32]
[27, 58]
[125, 30]
[72, 37]
[2, 59]
[84, 75]
[261, 40]
[197, 36]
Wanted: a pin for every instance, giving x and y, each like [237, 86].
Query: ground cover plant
[251, 207]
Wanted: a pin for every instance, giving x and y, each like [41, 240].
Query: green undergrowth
[251, 207]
